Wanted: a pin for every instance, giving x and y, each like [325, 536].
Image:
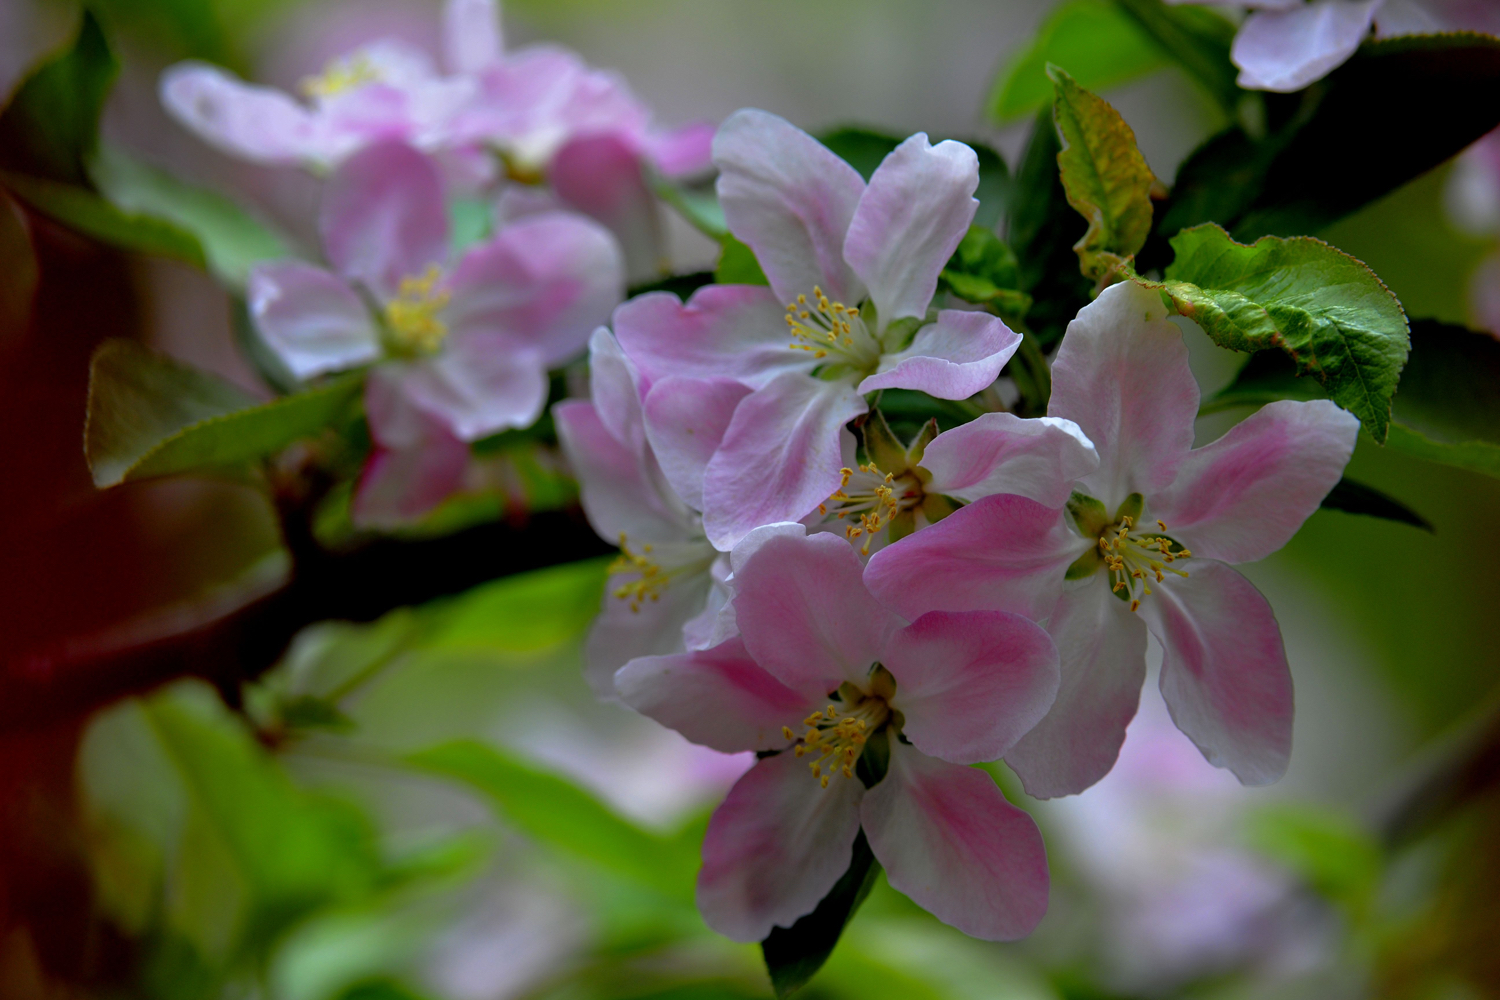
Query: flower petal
[1285, 50]
[790, 199]
[1001, 553]
[472, 40]
[599, 174]
[1122, 375]
[952, 358]
[806, 616]
[724, 331]
[1003, 453]
[1244, 496]
[478, 386]
[312, 319]
[383, 217]
[1224, 672]
[950, 842]
[970, 683]
[1101, 646]
[684, 151]
[256, 123]
[716, 697]
[544, 283]
[686, 419]
[619, 494]
[616, 385]
[780, 457]
[910, 220]
[417, 462]
[625, 629]
[775, 848]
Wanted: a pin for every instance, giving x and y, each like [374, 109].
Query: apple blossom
[910, 704]
[1144, 545]
[463, 350]
[853, 269]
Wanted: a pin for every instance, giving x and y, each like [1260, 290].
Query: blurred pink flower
[946, 690]
[1153, 505]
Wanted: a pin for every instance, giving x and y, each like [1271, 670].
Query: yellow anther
[1132, 560]
[413, 314]
[650, 582]
[341, 75]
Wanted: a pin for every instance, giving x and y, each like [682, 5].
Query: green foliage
[1333, 855]
[864, 149]
[82, 210]
[19, 265]
[737, 265]
[1323, 308]
[51, 126]
[795, 954]
[1357, 498]
[1106, 179]
[697, 203]
[151, 416]
[984, 270]
[1096, 41]
[1198, 39]
[1448, 407]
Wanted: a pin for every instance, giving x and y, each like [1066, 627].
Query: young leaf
[1096, 41]
[984, 270]
[1198, 38]
[794, 954]
[82, 210]
[1106, 178]
[1325, 309]
[1357, 498]
[51, 126]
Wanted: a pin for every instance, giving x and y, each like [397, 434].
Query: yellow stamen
[645, 587]
[413, 314]
[341, 75]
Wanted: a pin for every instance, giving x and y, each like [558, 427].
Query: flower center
[836, 737]
[412, 314]
[1134, 558]
[874, 497]
[833, 331]
[651, 577]
[341, 75]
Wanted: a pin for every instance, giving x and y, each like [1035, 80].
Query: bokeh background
[473, 826]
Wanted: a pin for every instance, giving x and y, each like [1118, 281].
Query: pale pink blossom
[907, 705]
[463, 349]
[853, 269]
[1144, 545]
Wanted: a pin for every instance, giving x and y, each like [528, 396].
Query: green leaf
[51, 126]
[86, 212]
[1105, 177]
[984, 270]
[231, 239]
[862, 148]
[1198, 39]
[1332, 854]
[1096, 41]
[865, 148]
[151, 416]
[697, 203]
[737, 265]
[1323, 308]
[794, 954]
[1447, 408]
[553, 811]
[19, 265]
[1357, 498]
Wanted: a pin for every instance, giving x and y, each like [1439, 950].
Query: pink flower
[910, 704]
[1144, 545]
[853, 269]
[464, 350]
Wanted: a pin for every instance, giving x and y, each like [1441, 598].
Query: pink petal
[910, 220]
[791, 200]
[256, 123]
[417, 462]
[724, 331]
[312, 319]
[1122, 375]
[618, 492]
[683, 152]
[478, 387]
[599, 174]
[953, 358]
[970, 683]
[686, 420]
[950, 842]
[716, 697]
[1001, 553]
[1285, 50]
[624, 630]
[780, 457]
[806, 616]
[1101, 645]
[616, 385]
[472, 40]
[1244, 496]
[775, 847]
[1002, 453]
[1224, 672]
[544, 283]
[383, 217]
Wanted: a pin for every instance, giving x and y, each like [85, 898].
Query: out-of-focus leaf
[151, 416]
[1323, 308]
[18, 264]
[1197, 38]
[232, 240]
[524, 613]
[1450, 390]
[697, 203]
[1041, 228]
[1357, 498]
[795, 954]
[862, 148]
[1105, 176]
[51, 126]
[1332, 854]
[80, 209]
[555, 812]
[738, 266]
[1096, 41]
[865, 148]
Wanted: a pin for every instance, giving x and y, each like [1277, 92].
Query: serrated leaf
[1357, 498]
[1197, 38]
[82, 210]
[151, 416]
[1106, 179]
[1094, 40]
[1327, 311]
[51, 126]
[795, 954]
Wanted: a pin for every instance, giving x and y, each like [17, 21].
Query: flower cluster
[870, 615]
